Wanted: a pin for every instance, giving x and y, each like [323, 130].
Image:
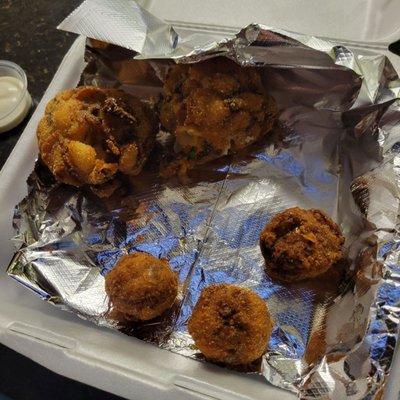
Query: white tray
[99, 357]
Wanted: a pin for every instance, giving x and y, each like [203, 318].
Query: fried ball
[141, 287]
[213, 108]
[300, 244]
[89, 134]
[230, 324]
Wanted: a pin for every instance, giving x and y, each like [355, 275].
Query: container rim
[15, 67]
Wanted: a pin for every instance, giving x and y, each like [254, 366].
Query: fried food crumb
[213, 108]
[141, 287]
[300, 244]
[230, 324]
[89, 134]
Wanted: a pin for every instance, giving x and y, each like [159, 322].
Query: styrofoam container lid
[374, 22]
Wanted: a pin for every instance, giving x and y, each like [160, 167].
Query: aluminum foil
[337, 148]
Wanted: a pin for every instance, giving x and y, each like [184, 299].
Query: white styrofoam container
[373, 22]
[80, 350]
[370, 25]
[108, 360]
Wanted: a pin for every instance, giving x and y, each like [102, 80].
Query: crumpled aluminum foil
[337, 149]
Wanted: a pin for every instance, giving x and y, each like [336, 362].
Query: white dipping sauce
[14, 103]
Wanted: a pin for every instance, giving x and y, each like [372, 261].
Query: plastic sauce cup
[15, 100]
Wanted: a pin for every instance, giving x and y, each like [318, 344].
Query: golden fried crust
[230, 324]
[88, 134]
[141, 286]
[215, 107]
[300, 244]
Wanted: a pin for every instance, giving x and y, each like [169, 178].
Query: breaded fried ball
[215, 107]
[230, 324]
[88, 134]
[141, 287]
[300, 244]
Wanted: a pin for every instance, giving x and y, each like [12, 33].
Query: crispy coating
[300, 244]
[213, 108]
[141, 287]
[360, 189]
[88, 134]
[230, 324]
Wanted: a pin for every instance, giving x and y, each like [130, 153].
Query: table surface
[28, 37]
